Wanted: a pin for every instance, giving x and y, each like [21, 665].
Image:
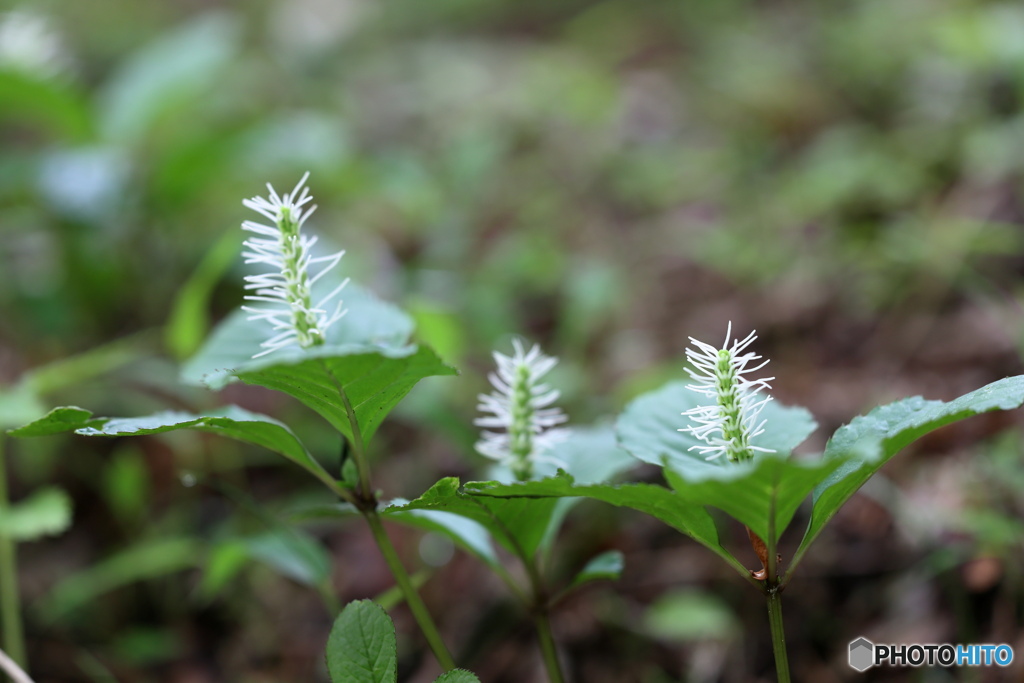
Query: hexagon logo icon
[862, 654]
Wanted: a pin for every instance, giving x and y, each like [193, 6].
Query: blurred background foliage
[605, 178]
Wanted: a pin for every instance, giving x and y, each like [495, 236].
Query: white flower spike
[521, 406]
[284, 248]
[727, 425]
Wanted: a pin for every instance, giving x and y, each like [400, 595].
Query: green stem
[778, 634]
[547, 646]
[541, 619]
[356, 442]
[366, 502]
[412, 598]
[10, 601]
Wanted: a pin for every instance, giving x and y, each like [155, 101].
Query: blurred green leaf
[188, 322]
[590, 454]
[465, 533]
[223, 563]
[362, 647]
[294, 554]
[606, 566]
[166, 74]
[126, 484]
[860, 448]
[142, 646]
[146, 560]
[45, 513]
[44, 102]
[689, 615]
[19, 405]
[440, 329]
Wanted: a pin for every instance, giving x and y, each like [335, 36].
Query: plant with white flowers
[521, 406]
[733, 453]
[758, 482]
[729, 424]
[287, 286]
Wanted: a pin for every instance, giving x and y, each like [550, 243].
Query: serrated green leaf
[362, 647]
[232, 422]
[518, 524]
[590, 455]
[44, 513]
[762, 493]
[57, 421]
[657, 501]
[373, 383]
[606, 566]
[367, 357]
[864, 445]
[457, 676]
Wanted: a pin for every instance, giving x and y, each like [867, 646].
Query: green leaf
[691, 615]
[232, 422]
[224, 562]
[76, 369]
[373, 383]
[57, 421]
[862, 447]
[294, 554]
[188, 321]
[457, 676]
[464, 532]
[362, 647]
[367, 355]
[657, 501]
[762, 493]
[516, 523]
[144, 561]
[370, 325]
[589, 455]
[19, 405]
[44, 513]
[607, 565]
[165, 75]
[44, 103]
[649, 429]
